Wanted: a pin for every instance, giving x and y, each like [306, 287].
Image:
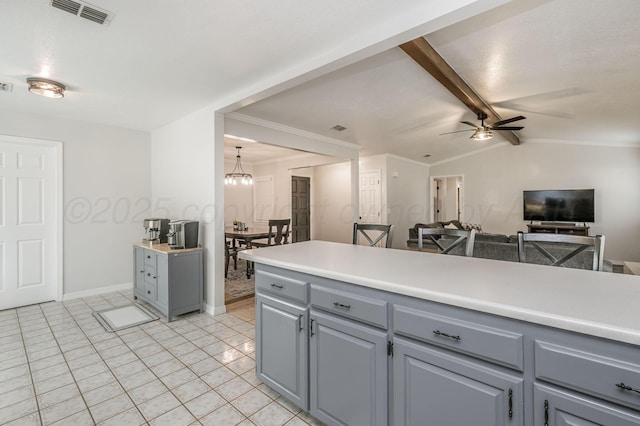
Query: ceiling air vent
[84, 10]
[6, 87]
[339, 128]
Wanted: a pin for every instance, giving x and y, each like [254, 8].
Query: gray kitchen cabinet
[169, 280]
[377, 357]
[554, 406]
[437, 387]
[348, 371]
[282, 347]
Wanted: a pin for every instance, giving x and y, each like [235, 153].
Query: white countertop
[596, 303]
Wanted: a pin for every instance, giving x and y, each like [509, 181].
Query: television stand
[558, 229]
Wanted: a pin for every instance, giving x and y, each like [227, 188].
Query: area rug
[237, 286]
[122, 317]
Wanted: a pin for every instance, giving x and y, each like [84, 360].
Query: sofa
[503, 247]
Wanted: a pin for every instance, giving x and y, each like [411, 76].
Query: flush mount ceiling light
[46, 88]
[238, 173]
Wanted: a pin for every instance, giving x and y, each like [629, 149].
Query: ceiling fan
[485, 131]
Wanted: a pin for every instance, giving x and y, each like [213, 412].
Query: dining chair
[278, 233]
[230, 252]
[572, 244]
[364, 230]
[436, 234]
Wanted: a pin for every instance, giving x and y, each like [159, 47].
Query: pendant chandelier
[238, 173]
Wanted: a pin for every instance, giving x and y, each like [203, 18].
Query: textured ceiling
[159, 60]
[570, 66]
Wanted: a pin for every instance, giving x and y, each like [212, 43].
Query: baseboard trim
[97, 291]
[215, 310]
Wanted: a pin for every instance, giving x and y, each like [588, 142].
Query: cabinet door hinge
[389, 348]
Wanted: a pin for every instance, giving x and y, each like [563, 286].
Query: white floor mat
[122, 317]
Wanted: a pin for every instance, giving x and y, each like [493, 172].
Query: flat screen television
[566, 205]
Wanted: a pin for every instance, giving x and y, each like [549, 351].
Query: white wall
[331, 209]
[184, 159]
[494, 181]
[408, 195]
[106, 196]
[282, 170]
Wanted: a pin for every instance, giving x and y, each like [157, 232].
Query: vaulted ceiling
[569, 66]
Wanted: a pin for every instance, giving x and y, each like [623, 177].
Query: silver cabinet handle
[340, 305]
[280, 286]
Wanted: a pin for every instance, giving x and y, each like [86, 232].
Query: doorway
[370, 197]
[300, 209]
[447, 198]
[30, 222]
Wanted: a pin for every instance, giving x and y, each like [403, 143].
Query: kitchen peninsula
[361, 335]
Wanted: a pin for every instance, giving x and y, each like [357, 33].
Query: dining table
[246, 237]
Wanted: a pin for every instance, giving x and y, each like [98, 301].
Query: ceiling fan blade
[508, 120]
[457, 131]
[468, 123]
[521, 108]
[508, 128]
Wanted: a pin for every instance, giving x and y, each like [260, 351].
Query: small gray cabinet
[281, 347]
[138, 271]
[348, 371]
[436, 387]
[170, 282]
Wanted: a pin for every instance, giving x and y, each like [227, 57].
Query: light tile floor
[59, 366]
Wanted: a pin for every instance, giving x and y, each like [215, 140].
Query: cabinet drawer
[150, 291]
[284, 286]
[592, 373]
[350, 305]
[150, 273]
[150, 258]
[489, 343]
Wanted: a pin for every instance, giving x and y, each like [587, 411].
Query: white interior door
[370, 197]
[29, 223]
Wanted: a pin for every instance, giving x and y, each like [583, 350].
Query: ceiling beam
[427, 57]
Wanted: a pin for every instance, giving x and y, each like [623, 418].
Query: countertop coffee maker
[183, 234]
[156, 230]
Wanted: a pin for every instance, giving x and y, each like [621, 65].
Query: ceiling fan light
[47, 88]
[482, 135]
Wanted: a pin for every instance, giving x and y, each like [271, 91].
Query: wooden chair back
[384, 230]
[278, 232]
[581, 244]
[435, 234]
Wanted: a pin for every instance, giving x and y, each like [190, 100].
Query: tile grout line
[67, 362]
[26, 355]
[105, 363]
